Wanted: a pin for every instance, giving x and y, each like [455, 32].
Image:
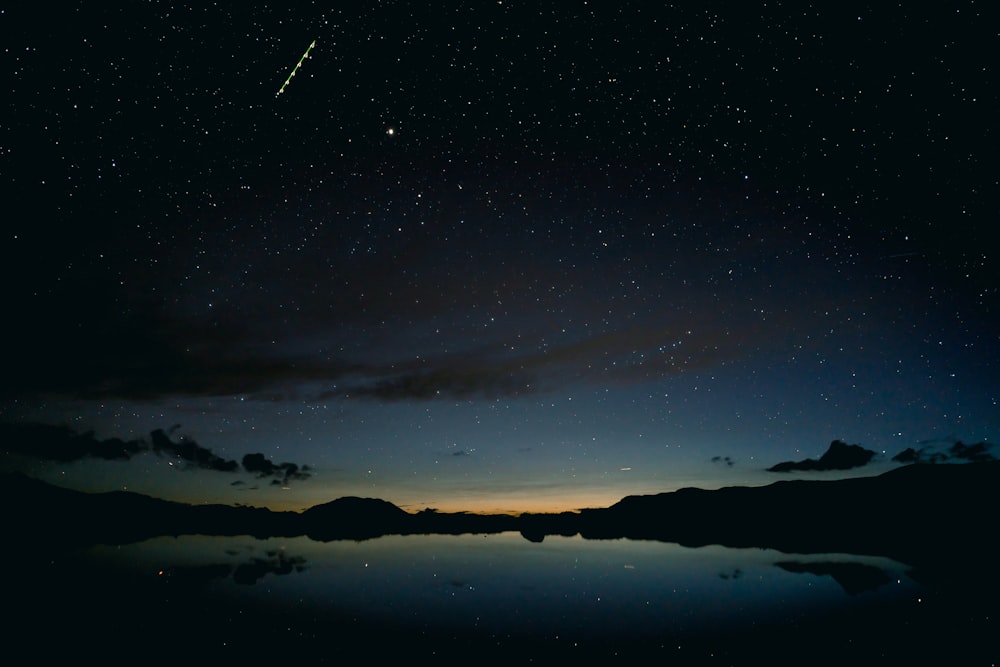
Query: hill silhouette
[55, 516]
[920, 514]
[934, 518]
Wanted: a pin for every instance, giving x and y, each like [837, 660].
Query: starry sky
[493, 256]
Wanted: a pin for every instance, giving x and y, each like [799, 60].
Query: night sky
[493, 256]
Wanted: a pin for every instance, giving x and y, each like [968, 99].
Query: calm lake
[453, 596]
[565, 587]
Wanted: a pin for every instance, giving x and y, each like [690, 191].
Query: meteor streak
[296, 68]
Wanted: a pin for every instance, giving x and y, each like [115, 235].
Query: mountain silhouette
[913, 509]
[353, 517]
[55, 516]
[920, 514]
[936, 519]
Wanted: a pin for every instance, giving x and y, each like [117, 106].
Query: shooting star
[296, 68]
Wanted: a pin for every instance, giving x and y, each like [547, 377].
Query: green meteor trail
[296, 68]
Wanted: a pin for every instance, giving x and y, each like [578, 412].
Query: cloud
[62, 444]
[974, 453]
[484, 379]
[723, 459]
[283, 472]
[147, 358]
[839, 456]
[190, 451]
[628, 355]
[958, 451]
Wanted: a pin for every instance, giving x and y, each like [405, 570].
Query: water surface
[503, 589]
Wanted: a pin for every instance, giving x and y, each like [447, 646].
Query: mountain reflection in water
[445, 594]
[139, 579]
[565, 586]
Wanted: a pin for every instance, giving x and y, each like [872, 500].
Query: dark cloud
[723, 459]
[147, 358]
[63, 444]
[629, 355]
[450, 382]
[958, 451]
[973, 453]
[282, 472]
[190, 451]
[839, 456]
[908, 455]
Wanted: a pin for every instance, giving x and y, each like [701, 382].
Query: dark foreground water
[482, 599]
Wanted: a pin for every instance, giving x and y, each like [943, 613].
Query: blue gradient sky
[501, 256]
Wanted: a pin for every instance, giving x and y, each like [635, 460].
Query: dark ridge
[920, 515]
[55, 516]
[352, 517]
